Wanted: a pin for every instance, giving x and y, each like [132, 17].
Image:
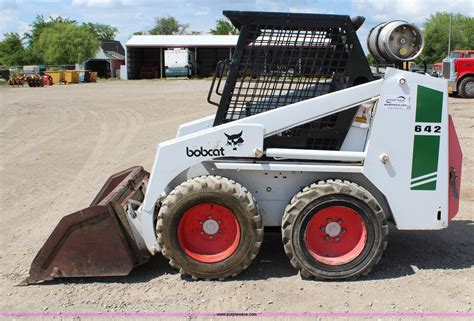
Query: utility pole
[449, 36]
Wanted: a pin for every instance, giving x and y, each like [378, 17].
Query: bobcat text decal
[205, 152]
[232, 140]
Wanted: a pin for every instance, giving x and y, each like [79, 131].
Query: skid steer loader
[304, 138]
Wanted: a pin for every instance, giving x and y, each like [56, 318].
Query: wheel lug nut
[220, 232]
[211, 237]
[323, 228]
[326, 237]
[202, 232]
[337, 239]
[329, 220]
[200, 222]
[343, 230]
[339, 222]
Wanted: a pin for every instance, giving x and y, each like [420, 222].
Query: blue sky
[137, 15]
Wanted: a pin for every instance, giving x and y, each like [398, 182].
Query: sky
[130, 16]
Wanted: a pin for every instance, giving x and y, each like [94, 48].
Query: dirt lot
[59, 144]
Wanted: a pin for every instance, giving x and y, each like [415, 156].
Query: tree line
[60, 40]
[171, 26]
[54, 41]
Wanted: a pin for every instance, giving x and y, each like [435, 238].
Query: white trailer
[177, 63]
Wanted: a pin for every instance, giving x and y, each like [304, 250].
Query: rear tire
[334, 230]
[466, 87]
[209, 227]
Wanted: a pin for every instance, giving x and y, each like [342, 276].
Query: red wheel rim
[209, 232]
[335, 235]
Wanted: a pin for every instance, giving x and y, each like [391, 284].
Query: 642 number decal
[428, 129]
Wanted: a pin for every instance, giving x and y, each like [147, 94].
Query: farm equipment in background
[304, 138]
[33, 80]
[17, 80]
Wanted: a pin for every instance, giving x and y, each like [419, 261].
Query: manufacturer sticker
[234, 140]
[397, 102]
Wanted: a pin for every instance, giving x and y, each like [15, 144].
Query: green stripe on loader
[429, 105]
[425, 159]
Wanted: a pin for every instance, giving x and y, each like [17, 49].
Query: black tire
[210, 190]
[308, 203]
[466, 87]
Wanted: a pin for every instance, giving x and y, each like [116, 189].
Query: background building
[146, 59]
[107, 60]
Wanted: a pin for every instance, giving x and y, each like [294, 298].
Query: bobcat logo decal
[234, 140]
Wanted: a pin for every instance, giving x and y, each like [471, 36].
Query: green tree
[65, 43]
[168, 26]
[33, 53]
[103, 31]
[12, 51]
[38, 25]
[224, 27]
[436, 32]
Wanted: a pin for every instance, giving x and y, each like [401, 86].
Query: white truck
[177, 63]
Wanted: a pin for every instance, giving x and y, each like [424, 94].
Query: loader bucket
[97, 240]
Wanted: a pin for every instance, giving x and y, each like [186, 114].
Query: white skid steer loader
[304, 138]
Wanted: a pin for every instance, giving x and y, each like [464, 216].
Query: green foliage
[12, 51]
[103, 31]
[224, 27]
[38, 25]
[370, 59]
[168, 26]
[436, 32]
[66, 43]
[34, 53]
[54, 41]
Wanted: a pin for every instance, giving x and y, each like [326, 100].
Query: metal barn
[145, 53]
[107, 60]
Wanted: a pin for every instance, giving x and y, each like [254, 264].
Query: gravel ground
[59, 144]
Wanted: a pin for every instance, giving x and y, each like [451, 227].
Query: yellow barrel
[56, 75]
[71, 76]
[93, 76]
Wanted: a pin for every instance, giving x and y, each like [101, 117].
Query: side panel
[410, 127]
[455, 170]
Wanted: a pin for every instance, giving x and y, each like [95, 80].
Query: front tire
[209, 227]
[334, 230]
[466, 87]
